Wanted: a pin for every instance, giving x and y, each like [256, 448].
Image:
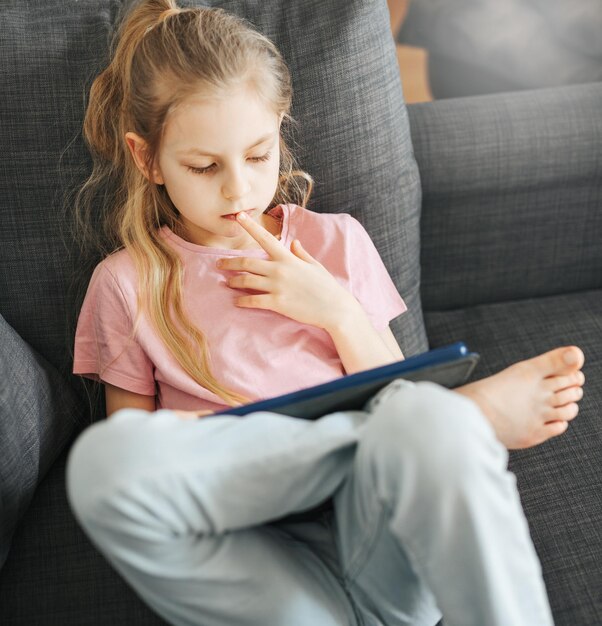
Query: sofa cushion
[511, 194]
[62, 576]
[38, 411]
[560, 481]
[47, 54]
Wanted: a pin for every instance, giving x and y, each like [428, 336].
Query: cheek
[179, 177]
[183, 189]
[274, 170]
[267, 185]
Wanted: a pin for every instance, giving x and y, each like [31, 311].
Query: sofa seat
[502, 333]
[88, 592]
[561, 499]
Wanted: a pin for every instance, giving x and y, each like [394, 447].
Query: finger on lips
[261, 235]
[264, 238]
[251, 223]
[251, 226]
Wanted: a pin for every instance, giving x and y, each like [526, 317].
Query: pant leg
[178, 507]
[430, 520]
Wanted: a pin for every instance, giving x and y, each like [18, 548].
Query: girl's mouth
[232, 216]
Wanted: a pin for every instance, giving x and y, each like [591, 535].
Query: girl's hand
[292, 281]
[191, 415]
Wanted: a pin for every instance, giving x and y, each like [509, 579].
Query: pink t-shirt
[256, 352]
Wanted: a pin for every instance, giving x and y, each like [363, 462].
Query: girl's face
[219, 157]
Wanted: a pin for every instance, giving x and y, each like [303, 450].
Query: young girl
[222, 289]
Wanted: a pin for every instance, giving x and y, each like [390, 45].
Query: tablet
[450, 366]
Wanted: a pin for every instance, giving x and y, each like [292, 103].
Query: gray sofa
[496, 243]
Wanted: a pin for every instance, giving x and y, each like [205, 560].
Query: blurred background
[455, 48]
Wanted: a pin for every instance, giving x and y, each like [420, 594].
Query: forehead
[217, 125]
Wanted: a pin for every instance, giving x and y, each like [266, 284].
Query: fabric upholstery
[354, 139]
[55, 577]
[47, 55]
[37, 413]
[559, 481]
[511, 195]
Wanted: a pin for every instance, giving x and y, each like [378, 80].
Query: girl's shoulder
[307, 217]
[118, 267]
[324, 225]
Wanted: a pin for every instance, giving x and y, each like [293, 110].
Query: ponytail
[105, 122]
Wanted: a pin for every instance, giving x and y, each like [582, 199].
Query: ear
[138, 148]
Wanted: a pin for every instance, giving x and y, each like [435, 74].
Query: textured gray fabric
[512, 190]
[37, 413]
[55, 577]
[50, 51]
[560, 481]
[47, 54]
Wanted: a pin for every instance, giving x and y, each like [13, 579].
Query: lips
[232, 216]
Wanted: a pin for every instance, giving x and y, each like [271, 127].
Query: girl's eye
[265, 157]
[201, 170]
[209, 168]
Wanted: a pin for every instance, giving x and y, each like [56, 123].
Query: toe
[566, 396]
[553, 429]
[573, 358]
[556, 383]
[566, 412]
[561, 361]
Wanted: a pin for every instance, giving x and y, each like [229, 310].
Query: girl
[221, 289]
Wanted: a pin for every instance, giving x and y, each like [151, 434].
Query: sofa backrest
[508, 181]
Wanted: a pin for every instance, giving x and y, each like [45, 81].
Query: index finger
[262, 236]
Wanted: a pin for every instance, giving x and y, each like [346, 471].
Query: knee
[103, 458]
[430, 434]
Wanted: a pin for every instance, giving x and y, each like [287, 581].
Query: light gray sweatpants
[426, 521]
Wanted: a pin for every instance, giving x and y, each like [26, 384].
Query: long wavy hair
[161, 55]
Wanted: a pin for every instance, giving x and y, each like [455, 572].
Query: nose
[236, 184]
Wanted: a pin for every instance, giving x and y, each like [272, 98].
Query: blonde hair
[161, 55]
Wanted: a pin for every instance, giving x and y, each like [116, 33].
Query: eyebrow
[205, 153]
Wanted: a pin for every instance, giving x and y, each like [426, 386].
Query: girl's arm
[389, 338]
[360, 346]
[117, 398]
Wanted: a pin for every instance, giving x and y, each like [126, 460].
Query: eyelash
[209, 168]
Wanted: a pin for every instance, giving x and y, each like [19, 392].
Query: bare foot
[532, 400]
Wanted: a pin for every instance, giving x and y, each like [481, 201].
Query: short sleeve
[371, 283]
[104, 348]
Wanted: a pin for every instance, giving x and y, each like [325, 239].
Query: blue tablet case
[450, 366]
